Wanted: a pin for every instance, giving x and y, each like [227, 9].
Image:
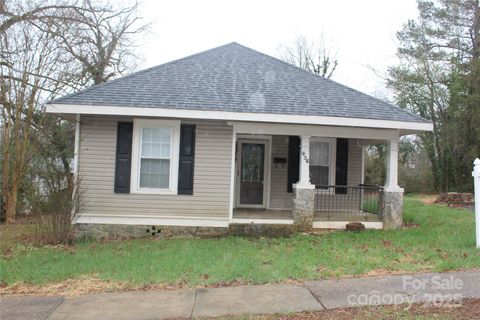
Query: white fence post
[476, 186]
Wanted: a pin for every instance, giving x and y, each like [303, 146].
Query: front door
[251, 174]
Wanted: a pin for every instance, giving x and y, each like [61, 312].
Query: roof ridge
[136, 73]
[328, 79]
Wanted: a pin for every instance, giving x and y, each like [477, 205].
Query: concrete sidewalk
[272, 298]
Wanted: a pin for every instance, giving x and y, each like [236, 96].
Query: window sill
[155, 192]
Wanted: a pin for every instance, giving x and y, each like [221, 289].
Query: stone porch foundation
[392, 216]
[119, 231]
[303, 208]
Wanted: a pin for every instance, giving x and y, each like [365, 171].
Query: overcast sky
[361, 32]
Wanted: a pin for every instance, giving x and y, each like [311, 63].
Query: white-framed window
[155, 152]
[322, 161]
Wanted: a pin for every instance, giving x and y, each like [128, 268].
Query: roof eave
[405, 127]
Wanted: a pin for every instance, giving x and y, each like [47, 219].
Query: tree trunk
[11, 205]
[6, 169]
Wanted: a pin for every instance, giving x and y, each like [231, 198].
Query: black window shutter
[341, 172]
[293, 161]
[187, 159]
[123, 159]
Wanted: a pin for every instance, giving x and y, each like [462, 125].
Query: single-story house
[231, 137]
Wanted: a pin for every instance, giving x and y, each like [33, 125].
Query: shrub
[55, 212]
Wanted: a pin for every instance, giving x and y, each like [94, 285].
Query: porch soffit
[315, 131]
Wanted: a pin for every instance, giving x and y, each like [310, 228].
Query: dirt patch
[383, 272]
[70, 287]
[378, 273]
[456, 200]
[468, 309]
[89, 285]
[427, 198]
[410, 225]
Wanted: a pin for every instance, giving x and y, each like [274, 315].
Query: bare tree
[310, 55]
[26, 56]
[100, 40]
[25, 11]
[49, 48]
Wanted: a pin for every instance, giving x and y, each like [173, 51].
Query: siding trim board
[232, 173]
[156, 221]
[262, 221]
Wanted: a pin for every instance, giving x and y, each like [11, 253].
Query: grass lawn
[438, 239]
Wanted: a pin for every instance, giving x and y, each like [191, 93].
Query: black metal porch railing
[362, 202]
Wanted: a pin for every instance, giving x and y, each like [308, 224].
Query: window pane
[155, 150]
[163, 180]
[166, 135]
[324, 160]
[252, 162]
[156, 142]
[146, 149]
[165, 167]
[156, 134]
[147, 134]
[319, 153]
[164, 150]
[324, 147]
[319, 175]
[144, 180]
[154, 173]
[314, 154]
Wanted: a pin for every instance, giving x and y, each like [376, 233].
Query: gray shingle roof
[238, 79]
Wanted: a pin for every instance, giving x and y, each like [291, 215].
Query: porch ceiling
[315, 130]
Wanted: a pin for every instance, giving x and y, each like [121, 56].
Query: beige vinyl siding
[211, 174]
[279, 197]
[355, 163]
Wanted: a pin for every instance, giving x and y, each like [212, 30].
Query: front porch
[312, 181]
[331, 211]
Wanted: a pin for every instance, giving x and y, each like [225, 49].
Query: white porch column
[303, 191]
[76, 146]
[392, 214]
[304, 182]
[391, 183]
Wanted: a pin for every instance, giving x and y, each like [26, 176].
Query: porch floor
[358, 215]
[272, 214]
[262, 214]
